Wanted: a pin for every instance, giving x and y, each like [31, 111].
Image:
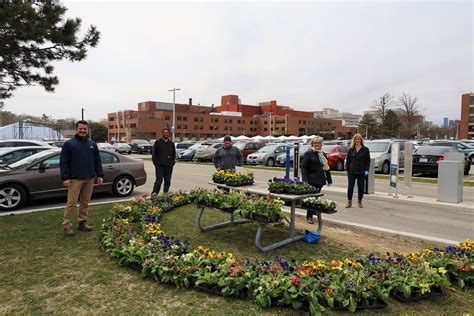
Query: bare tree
[410, 107]
[381, 107]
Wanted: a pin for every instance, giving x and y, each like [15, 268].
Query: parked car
[56, 143]
[122, 148]
[12, 154]
[140, 146]
[106, 146]
[206, 153]
[188, 154]
[381, 150]
[463, 147]
[336, 156]
[182, 146]
[22, 143]
[426, 158]
[281, 159]
[266, 155]
[247, 148]
[38, 176]
[152, 142]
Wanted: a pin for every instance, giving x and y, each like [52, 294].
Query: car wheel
[123, 186]
[194, 159]
[270, 162]
[472, 160]
[12, 197]
[129, 152]
[386, 167]
[339, 165]
[467, 168]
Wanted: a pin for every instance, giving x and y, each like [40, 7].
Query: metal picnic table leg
[320, 221]
[293, 237]
[217, 226]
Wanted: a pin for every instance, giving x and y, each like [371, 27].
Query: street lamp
[174, 111]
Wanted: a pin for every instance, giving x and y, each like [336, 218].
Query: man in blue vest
[80, 165]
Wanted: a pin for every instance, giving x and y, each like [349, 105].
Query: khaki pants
[78, 189]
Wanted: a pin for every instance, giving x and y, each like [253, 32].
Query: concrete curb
[416, 200]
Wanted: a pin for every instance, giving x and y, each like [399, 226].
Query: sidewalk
[415, 200]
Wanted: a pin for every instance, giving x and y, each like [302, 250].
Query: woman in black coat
[315, 169]
[357, 168]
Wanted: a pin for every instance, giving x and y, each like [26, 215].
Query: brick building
[466, 128]
[196, 122]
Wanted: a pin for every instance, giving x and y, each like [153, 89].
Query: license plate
[423, 159]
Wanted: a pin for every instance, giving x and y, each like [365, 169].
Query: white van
[381, 150]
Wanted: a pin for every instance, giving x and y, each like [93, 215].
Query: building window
[133, 125]
[225, 128]
[201, 119]
[471, 110]
[185, 118]
[111, 126]
[238, 121]
[201, 127]
[179, 118]
[111, 118]
[265, 129]
[225, 121]
[185, 126]
[195, 127]
[167, 118]
[178, 127]
[195, 119]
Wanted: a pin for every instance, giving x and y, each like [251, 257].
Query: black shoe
[310, 220]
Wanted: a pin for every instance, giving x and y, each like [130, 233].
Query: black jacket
[312, 170]
[357, 162]
[164, 153]
[80, 159]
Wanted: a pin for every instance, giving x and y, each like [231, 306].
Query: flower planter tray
[318, 210]
[365, 304]
[435, 292]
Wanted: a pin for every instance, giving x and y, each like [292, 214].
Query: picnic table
[252, 189]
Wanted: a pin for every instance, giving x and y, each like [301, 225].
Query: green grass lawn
[41, 271]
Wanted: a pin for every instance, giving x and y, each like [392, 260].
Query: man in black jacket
[164, 157]
[79, 165]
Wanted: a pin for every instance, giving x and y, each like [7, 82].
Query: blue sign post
[288, 165]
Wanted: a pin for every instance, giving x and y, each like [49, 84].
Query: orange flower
[329, 291]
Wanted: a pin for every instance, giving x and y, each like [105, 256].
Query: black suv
[140, 146]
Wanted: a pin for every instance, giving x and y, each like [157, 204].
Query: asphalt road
[430, 221]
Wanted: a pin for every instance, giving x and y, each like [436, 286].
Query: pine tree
[33, 34]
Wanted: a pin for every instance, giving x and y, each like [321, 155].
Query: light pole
[270, 121]
[366, 130]
[174, 112]
[1, 113]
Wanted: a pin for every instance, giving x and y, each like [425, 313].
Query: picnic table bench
[293, 199]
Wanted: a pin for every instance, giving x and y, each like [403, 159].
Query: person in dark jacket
[228, 156]
[79, 165]
[315, 169]
[357, 168]
[164, 158]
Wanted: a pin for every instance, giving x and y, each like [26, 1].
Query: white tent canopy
[242, 137]
[258, 137]
[222, 139]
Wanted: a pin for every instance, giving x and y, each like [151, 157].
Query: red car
[336, 156]
[247, 148]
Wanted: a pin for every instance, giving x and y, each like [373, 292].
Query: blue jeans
[360, 186]
[162, 173]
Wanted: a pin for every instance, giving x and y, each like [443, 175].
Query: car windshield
[268, 149]
[433, 150]
[195, 146]
[30, 159]
[327, 148]
[377, 147]
[139, 141]
[240, 146]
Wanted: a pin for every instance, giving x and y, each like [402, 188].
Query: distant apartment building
[347, 119]
[466, 127]
[445, 122]
[196, 122]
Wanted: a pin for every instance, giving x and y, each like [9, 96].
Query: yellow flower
[442, 270]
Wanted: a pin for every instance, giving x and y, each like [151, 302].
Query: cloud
[307, 55]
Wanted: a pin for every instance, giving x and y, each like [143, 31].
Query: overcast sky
[306, 55]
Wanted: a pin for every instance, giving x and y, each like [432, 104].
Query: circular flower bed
[134, 236]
